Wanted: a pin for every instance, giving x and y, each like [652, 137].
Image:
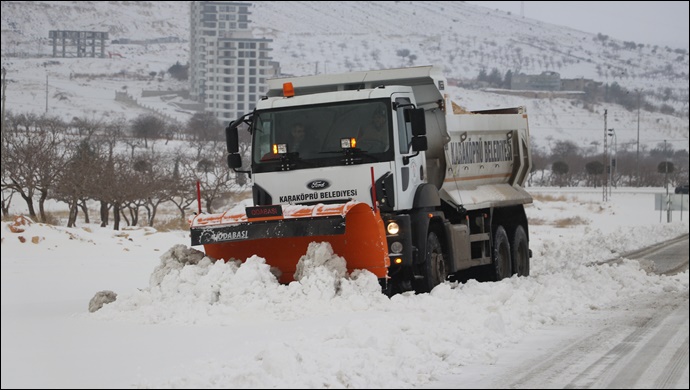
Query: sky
[231, 325]
[652, 22]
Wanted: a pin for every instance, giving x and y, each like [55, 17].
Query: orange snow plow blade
[281, 235]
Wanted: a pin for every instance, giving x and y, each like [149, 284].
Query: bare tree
[205, 126]
[31, 156]
[112, 134]
[560, 170]
[86, 127]
[148, 127]
[52, 161]
[539, 164]
[133, 144]
[183, 182]
[213, 175]
[139, 187]
[594, 171]
[6, 190]
[160, 184]
[78, 180]
[403, 53]
[123, 188]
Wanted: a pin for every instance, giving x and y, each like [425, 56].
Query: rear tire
[501, 255]
[434, 270]
[520, 252]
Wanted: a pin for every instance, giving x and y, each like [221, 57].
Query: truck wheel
[434, 270]
[501, 255]
[520, 252]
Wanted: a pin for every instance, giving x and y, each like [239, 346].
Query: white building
[228, 67]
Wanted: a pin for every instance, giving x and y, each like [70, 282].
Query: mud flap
[354, 231]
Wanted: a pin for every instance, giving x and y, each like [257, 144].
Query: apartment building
[228, 67]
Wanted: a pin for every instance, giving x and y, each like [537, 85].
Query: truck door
[409, 174]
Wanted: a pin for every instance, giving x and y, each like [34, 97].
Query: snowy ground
[224, 325]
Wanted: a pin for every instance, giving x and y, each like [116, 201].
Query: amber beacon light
[288, 90]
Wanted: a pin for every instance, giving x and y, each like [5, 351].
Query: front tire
[434, 270]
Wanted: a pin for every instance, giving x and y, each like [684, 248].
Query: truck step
[479, 237]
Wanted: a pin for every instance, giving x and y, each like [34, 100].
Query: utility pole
[46, 92]
[4, 88]
[668, 198]
[665, 169]
[606, 166]
[612, 158]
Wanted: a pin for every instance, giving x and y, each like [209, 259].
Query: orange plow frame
[283, 240]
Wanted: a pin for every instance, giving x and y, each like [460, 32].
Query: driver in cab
[374, 135]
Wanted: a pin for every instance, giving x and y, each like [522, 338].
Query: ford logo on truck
[318, 184]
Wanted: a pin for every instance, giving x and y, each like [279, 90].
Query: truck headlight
[393, 228]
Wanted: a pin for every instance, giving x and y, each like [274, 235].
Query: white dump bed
[487, 158]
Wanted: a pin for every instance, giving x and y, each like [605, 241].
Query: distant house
[546, 81]
[78, 43]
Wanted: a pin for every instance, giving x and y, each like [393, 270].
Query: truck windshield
[311, 135]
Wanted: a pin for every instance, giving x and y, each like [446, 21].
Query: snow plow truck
[435, 191]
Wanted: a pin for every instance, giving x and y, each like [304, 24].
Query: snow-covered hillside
[334, 37]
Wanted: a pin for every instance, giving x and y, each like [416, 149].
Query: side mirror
[419, 144]
[232, 138]
[417, 121]
[234, 160]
